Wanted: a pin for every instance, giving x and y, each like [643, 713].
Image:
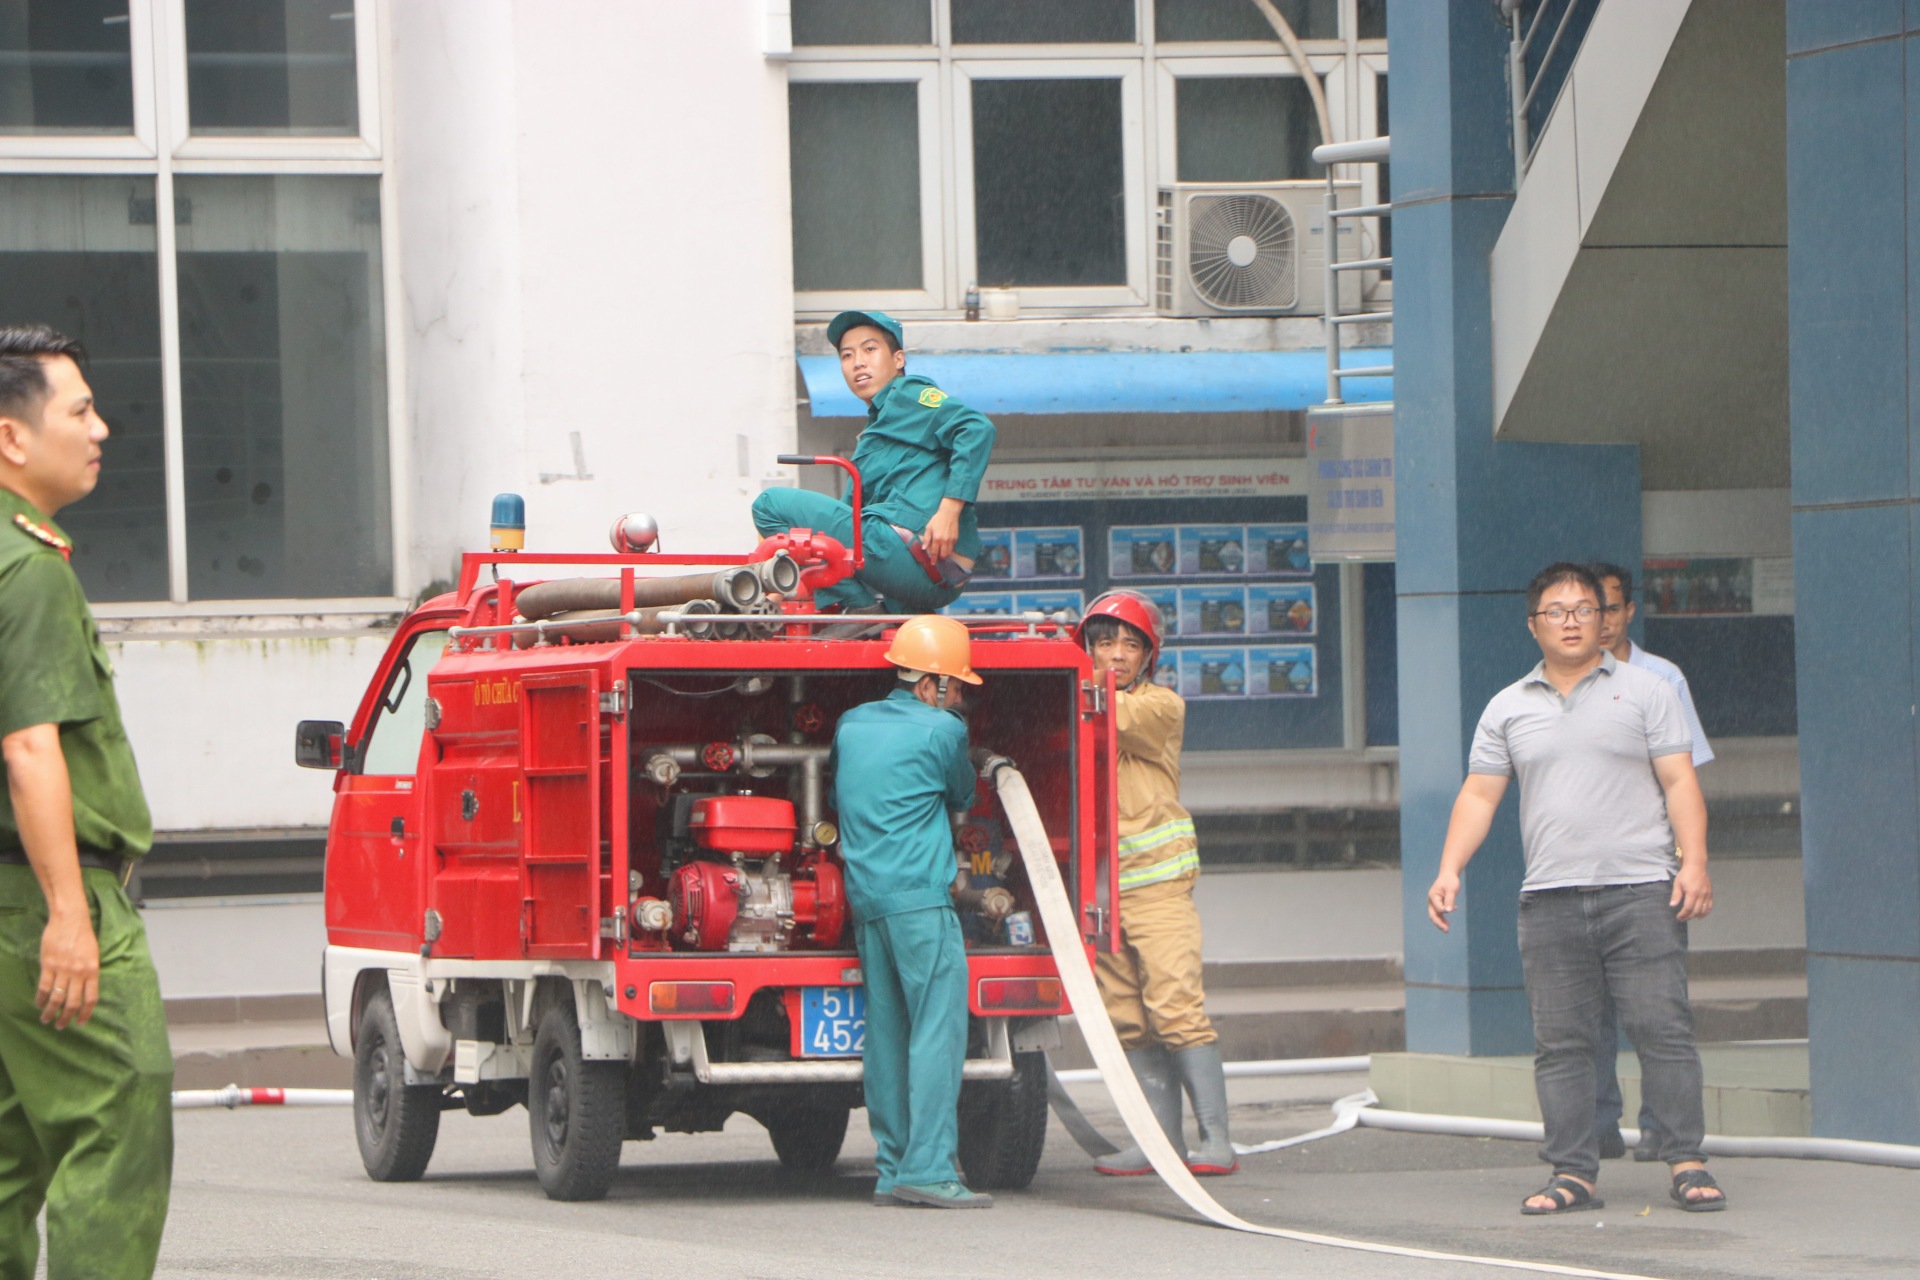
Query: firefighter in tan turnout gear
[1151, 986]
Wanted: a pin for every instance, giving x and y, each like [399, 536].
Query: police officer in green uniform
[86, 1120]
[921, 457]
[899, 764]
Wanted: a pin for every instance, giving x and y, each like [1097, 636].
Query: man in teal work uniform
[899, 764]
[921, 457]
[86, 1120]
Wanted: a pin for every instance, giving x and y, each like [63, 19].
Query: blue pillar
[1476, 518]
[1853, 217]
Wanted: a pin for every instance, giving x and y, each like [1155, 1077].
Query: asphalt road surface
[280, 1193]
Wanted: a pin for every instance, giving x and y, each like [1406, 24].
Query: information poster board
[1223, 548]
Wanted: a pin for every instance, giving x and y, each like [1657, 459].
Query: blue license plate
[833, 1022]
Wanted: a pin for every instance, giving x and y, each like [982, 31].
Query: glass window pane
[1042, 21]
[79, 254]
[65, 67]
[271, 66]
[1242, 20]
[393, 744]
[284, 388]
[1372, 20]
[862, 22]
[856, 185]
[1244, 129]
[1050, 200]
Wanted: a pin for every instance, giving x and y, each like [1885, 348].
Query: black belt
[99, 861]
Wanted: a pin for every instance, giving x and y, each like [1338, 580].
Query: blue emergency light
[509, 531]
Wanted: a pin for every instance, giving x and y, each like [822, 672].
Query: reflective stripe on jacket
[1157, 841]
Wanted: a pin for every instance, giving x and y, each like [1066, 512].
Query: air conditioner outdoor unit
[1254, 248]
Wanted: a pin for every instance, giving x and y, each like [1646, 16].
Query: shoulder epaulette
[40, 533]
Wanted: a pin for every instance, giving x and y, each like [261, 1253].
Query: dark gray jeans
[1577, 947]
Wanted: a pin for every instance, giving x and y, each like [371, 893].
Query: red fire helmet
[1138, 612]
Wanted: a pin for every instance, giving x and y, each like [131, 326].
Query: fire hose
[1076, 975]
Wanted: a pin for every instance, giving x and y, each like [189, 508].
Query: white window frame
[1136, 291]
[276, 146]
[137, 145]
[164, 150]
[925, 75]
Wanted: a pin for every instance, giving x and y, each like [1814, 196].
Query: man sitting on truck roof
[921, 457]
[899, 764]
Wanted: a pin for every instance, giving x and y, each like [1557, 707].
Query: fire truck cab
[586, 862]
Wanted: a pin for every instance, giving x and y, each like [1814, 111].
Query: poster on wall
[1272, 671]
[1212, 548]
[1717, 586]
[1048, 553]
[1281, 609]
[1142, 551]
[1278, 549]
[981, 604]
[1070, 603]
[996, 555]
[1166, 671]
[1282, 671]
[1213, 673]
[1213, 611]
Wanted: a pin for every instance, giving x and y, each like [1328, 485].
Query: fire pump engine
[582, 859]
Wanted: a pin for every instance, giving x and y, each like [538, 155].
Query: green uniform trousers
[914, 965]
[890, 569]
[86, 1114]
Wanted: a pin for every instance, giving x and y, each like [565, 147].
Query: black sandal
[1578, 1198]
[1697, 1179]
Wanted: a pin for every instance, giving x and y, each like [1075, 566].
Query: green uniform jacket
[921, 445]
[898, 766]
[54, 670]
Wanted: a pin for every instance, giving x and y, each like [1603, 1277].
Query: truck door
[374, 874]
[560, 744]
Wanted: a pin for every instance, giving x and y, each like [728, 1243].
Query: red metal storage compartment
[743, 824]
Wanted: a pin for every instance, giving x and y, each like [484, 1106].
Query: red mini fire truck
[582, 859]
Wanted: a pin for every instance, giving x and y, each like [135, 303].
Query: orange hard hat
[937, 645]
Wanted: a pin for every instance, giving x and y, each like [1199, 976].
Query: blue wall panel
[1853, 163]
[1816, 24]
[1846, 225]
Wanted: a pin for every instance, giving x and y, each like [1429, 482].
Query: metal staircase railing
[1365, 151]
[1525, 83]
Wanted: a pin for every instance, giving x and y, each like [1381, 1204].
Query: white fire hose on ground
[235, 1096]
[1050, 894]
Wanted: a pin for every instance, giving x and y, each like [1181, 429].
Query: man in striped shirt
[1615, 617]
[1151, 987]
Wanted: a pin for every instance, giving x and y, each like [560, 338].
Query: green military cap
[838, 326]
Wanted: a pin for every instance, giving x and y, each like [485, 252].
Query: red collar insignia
[41, 533]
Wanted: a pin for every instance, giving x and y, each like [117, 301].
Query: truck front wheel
[577, 1110]
[395, 1122]
[1003, 1127]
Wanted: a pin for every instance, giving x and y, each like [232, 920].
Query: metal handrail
[1524, 88]
[1360, 151]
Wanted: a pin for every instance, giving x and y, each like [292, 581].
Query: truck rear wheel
[396, 1123]
[578, 1111]
[808, 1139]
[1003, 1126]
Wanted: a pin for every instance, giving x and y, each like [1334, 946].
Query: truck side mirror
[320, 744]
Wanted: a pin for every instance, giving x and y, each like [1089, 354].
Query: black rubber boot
[1153, 1068]
[1205, 1076]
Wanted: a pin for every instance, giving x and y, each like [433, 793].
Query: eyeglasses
[1558, 615]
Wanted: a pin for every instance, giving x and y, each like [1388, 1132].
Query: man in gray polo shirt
[1603, 756]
